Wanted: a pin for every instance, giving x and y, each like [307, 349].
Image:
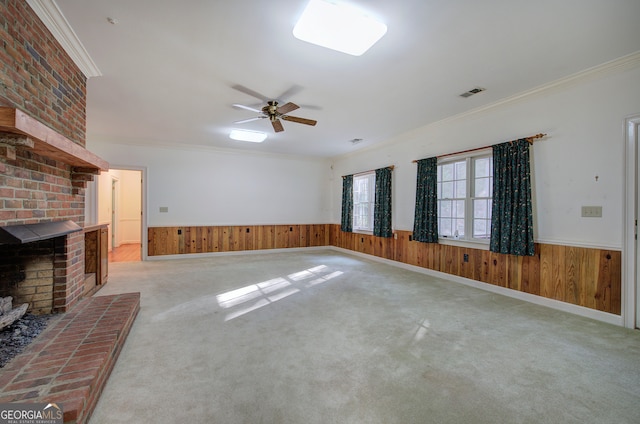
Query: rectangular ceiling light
[338, 26]
[246, 135]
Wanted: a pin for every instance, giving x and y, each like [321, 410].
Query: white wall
[202, 186]
[584, 119]
[103, 183]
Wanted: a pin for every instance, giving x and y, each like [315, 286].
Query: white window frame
[366, 206]
[469, 198]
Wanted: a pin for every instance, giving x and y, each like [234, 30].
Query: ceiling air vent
[472, 92]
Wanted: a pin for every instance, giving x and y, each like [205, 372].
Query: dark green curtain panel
[512, 217]
[346, 223]
[425, 222]
[382, 208]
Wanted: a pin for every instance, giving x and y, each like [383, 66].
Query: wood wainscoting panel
[531, 273]
[230, 238]
[573, 288]
[211, 244]
[265, 236]
[224, 239]
[287, 236]
[558, 274]
[610, 275]
[163, 241]
[546, 288]
[317, 235]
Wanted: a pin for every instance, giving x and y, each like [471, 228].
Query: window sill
[363, 232]
[472, 244]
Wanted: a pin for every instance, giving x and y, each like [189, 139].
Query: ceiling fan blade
[242, 121]
[277, 125]
[246, 108]
[311, 107]
[250, 92]
[286, 108]
[291, 92]
[299, 120]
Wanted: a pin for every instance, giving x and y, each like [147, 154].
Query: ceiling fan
[275, 113]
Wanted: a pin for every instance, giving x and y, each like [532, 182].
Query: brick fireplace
[44, 166]
[48, 274]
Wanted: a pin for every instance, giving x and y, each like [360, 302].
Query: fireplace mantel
[19, 129]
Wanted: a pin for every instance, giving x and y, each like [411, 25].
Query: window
[464, 197]
[363, 201]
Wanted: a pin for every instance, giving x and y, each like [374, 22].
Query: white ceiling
[169, 67]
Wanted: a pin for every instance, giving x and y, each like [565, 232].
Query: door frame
[115, 210]
[631, 292]
[143, 204]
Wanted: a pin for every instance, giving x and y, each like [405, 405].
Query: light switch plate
[592, 211]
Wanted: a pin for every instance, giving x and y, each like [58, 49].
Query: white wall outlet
[592, 211]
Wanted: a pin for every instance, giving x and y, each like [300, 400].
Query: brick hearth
[70, 362]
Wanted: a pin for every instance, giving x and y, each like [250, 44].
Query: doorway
[636, 131]
[115, 192]
[631, 306]
[120, 204]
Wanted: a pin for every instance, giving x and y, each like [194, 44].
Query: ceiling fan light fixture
[246, 135]
[338, 26]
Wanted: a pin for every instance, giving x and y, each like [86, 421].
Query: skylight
[338, 26]
[246, 135]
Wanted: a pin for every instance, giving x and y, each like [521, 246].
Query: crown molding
[629, 61]
[623, 63]
[52, 17]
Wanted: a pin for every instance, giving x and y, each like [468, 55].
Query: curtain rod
[371, 170]
[530, 140]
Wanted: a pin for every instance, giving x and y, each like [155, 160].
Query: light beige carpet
[324, 337]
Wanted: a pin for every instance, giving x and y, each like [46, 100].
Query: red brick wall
[35, 189]
[68, 283]
[38, 77]
[36, 74]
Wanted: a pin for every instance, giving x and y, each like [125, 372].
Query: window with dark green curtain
[382, 208]
[364, 201]
[512, 217]
[425, 223]
[346, 223]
